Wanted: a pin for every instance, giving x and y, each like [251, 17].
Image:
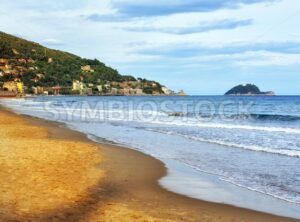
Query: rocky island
[248, 90]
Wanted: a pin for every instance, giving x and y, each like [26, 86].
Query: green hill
[36, 65]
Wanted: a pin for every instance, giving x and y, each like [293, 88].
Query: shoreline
[132, 181]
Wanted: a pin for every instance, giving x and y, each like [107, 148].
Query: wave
[189, 123]
[233, 182]
[269, 117]
[259, 117]
[157, 117]
[259, 191]
[284, 152]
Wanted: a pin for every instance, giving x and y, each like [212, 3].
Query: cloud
[20, 36]
[52, 42]
[202, 27]
[241, 55]
[45, 6]
[124, 10]
[106, 17]
[194, 50]
[133, 8]
[267, 59]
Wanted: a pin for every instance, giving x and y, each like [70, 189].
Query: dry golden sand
[41, 175]
[53, 174]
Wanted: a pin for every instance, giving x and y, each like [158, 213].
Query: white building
[166, 90]
[100, 88]
[77, 85]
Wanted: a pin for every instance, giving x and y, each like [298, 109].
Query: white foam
[259, 191]
[291, 153]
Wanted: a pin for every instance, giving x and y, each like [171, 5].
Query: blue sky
[201, 46]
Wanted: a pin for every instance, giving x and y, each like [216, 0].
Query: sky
[204, 47]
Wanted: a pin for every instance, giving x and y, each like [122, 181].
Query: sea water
[243, 151]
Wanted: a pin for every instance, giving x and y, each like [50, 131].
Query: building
[114, 91]
[4, 66]
[137, 92]
[83, 88]
[77, 86]
[130, 91]
[3, 60]
[22, 60]
[125, 91]
[20, 87]
[107, 86]
[34, 90]
[14, 86]
[38, 90]
[87, 68]
[166, 90]
[56, 90]
[99, 88]
[87, 91]
[15, 52]
[181, 93]
[40, 76]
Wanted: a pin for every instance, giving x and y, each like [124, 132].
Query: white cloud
[52, 42]
[267, 59]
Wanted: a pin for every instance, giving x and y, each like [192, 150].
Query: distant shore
[49, 173]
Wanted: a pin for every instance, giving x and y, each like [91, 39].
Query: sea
[242, 151]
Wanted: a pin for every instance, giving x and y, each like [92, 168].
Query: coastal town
[16, 88]
[30, 69]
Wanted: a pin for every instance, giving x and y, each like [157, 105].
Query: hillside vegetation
[36, 65]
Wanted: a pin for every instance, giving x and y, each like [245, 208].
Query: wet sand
[49, 173]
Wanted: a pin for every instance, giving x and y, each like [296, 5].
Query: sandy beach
[49, 173]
